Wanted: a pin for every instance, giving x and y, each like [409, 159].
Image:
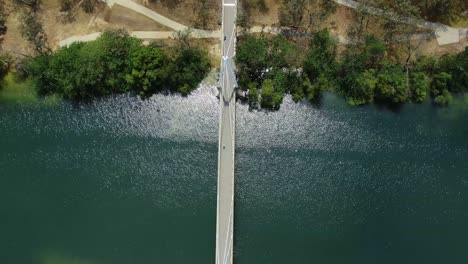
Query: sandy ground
[183, 12]
[13, 42]
[131, 20]
[269, 18]
[432, 48]
[53, 25]
[57, 29]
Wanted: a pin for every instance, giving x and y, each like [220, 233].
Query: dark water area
[125, 181]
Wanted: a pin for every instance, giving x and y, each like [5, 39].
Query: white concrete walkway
[444, 34]
[145, 35]
[146, 12]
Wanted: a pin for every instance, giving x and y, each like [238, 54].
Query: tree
[457, 66]
[202, 10]
[292, 12]
[398, 28]
[373, 52]
[269, 97]
[392, 84]
[440, 83]
[189, 67]
[117, 63]
[33, 4]
[298, 93]
[362, 90]
[251, 59]
[321, 56]
[314, 91]
[419, 85]
[149, 70]
[183, 37]
[253, 96]
[32, 31]
[305, 15]
[444, 99]
[3, 18]
[441, 10]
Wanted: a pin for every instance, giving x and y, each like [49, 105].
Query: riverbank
[17, 91]
[269, 67]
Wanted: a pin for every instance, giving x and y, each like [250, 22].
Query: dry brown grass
[259, 17]
[183, 12]
[131, 20]
[13, 42]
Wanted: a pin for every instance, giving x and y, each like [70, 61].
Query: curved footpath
[443, 33]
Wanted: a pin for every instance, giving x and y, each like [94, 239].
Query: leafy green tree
[321, 56]
[314, 91]
[357, 74]
[149, 71]
[392, 85]
[189, 67]
[270, 98]
[278, 50]
[311, 91]
[3, 18]
[440, 83]
[273, 58]
[457, 66]
[117, 63]
[419, 85]
[251, 59]
[362, 90]
[372, 53]
[253, 96]
[426, 64]
[443, 99]
[297, 93]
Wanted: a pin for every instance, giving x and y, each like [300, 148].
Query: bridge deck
[227, 123]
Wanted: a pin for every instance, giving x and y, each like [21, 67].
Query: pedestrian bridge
[227, 125]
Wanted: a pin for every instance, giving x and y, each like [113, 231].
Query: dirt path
[147, 35]
[443, 33]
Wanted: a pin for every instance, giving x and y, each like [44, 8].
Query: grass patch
[14, 91]
[462, 22]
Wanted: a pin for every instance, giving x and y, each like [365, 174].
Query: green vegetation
[379, 65]
[14, 90]
[117, 63]
[270, 67]
[276, 64]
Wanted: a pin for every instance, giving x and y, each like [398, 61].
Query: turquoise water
[130, 181]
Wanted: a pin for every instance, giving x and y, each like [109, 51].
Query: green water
[125, 181]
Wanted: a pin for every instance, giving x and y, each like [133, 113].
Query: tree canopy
[117, 63]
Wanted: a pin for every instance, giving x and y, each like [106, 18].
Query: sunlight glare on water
[125, 180]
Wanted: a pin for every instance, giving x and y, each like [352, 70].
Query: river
[130, 181]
